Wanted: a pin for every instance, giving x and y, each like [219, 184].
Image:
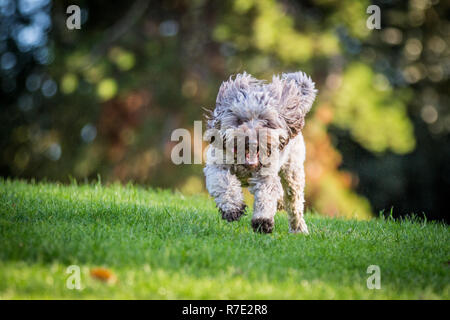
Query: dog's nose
[251, 137]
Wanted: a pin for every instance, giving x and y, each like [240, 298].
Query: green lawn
[162, 245]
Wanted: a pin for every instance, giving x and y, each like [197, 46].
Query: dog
[265, 121]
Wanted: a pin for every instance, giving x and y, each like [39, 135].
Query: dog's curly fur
[244, 106]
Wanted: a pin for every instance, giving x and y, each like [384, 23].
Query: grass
[162, 245]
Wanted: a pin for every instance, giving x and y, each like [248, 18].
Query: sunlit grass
[161, 244]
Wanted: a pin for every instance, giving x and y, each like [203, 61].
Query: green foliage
[348, 13]
[374, 113]
[346, 203]
[164, 245]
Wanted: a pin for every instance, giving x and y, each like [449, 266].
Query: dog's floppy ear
[296, 93]
[231, 91]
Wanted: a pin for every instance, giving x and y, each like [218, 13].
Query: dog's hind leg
[280, 204]
[293, 180]
[226, 190]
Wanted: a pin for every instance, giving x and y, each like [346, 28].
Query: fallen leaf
[104, 275]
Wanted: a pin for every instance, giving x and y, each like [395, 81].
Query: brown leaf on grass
[104, 275]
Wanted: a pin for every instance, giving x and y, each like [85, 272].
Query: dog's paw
[262, 225]
[233, 215]
[301, 228]
[303, 231]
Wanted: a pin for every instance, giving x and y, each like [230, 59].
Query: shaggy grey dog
[256, 142]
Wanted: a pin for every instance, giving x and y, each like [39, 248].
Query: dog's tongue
[251, 158]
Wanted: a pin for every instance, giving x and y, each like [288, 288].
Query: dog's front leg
[226, 190]
[267, 190]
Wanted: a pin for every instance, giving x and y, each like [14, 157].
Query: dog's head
[252, 115]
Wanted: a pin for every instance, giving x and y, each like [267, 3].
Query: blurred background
[103, 100]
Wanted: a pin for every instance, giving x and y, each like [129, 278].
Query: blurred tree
[411, 55]
[105, 99]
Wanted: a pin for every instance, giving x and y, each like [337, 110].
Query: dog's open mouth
[251, 158]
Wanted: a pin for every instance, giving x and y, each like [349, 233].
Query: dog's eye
[271, 124]
[239, 122]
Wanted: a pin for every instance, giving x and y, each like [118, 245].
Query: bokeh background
[103, 100]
